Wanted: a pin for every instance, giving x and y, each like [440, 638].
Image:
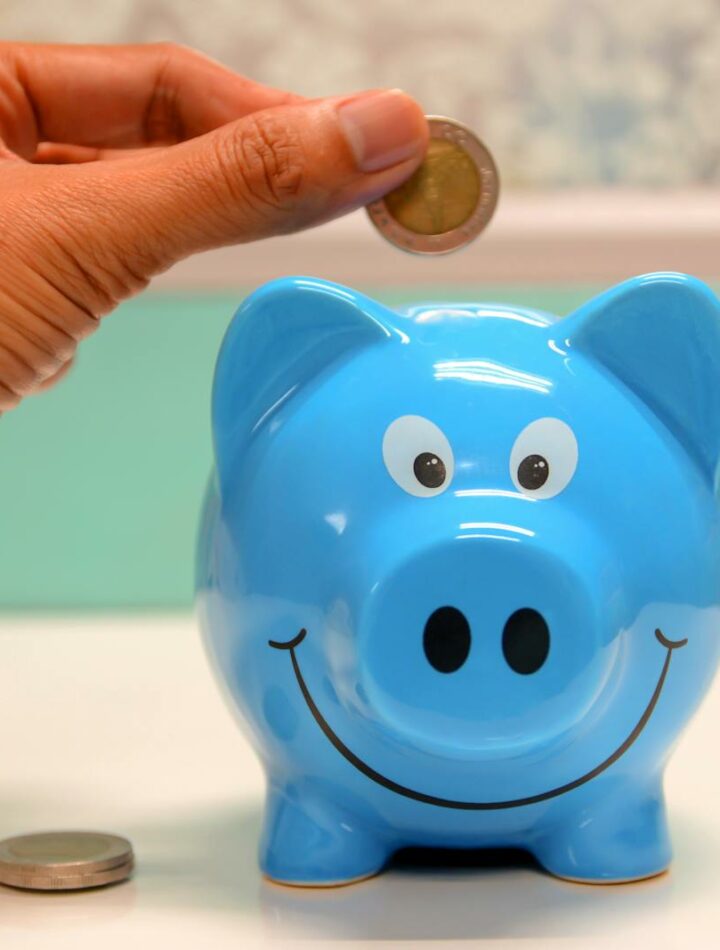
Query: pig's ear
[660, 335]
[281, 339]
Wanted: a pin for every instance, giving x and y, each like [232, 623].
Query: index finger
[119, 96]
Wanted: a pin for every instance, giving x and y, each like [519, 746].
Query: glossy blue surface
[551, 481]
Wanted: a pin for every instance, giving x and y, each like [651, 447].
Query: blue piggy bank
[459, 570]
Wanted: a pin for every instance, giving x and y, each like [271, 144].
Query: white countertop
[116, 724]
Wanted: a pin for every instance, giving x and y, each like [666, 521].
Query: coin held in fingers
[64, 860]
[448, 201]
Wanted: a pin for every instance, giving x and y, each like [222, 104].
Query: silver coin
[448, 201]
[64, 860]
[67, 882]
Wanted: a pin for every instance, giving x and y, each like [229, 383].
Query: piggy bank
[459, 570]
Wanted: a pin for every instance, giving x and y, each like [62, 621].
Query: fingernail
[382, 128]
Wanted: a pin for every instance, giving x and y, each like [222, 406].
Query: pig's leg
[619, 835]
[310, 839]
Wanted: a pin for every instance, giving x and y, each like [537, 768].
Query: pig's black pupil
[533, 472]
[429, 470]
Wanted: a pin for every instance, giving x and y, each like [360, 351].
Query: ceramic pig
[459, 570]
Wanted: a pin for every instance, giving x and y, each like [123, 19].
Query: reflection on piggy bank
[459, 570]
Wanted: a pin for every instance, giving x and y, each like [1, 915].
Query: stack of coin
[448, 201]
[64, 860]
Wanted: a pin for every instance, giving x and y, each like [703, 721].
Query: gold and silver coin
[64, 860]
[450, 198]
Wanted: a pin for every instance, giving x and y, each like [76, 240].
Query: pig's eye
[544, 458]
[418, 456]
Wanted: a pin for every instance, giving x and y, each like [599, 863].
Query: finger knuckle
[168, 49]
[173, 57]
[29, 354]
[17, 376]
[269, 162]
[91, 276]
[9, 399]
[162, 120]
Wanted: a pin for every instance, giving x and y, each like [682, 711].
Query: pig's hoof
[308, 842]
[614, 843]
[607, 880]
[322, 884]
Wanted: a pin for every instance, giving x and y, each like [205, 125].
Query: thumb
[275, 171]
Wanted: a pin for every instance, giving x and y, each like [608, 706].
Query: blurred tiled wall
[566, 92]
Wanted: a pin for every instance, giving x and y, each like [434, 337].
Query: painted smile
[292, 645]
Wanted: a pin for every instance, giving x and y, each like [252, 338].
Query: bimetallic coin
[448, 201]
[64, 860]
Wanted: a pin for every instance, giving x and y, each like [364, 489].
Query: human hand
[115, 162]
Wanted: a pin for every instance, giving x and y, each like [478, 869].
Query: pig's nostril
[526, 641]
[446, 639]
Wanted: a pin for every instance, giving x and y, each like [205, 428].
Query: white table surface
[116, 724]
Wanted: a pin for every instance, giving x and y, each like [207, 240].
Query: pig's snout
[488, 645]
